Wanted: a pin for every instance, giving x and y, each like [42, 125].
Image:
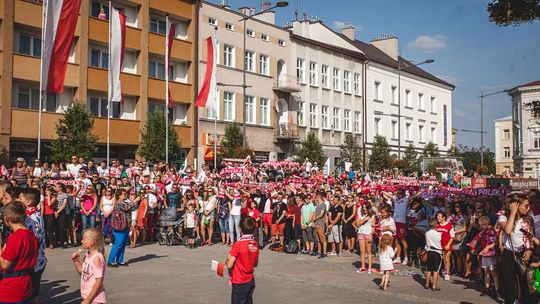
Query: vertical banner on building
[445, 125]
[207, 97]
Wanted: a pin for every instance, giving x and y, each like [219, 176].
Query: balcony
[27, 68]
[184, 134]
[182, 9]
[287, 84]
[284, 132]
[28, 13]
[97, 80]
[181, 49]
[98, 30]
[181, 92]
[125, 132]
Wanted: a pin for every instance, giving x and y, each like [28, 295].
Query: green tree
[74, 134]
[471, 159]
[153, 138]
[350, 151]
[380, 158]
[232, 146]
[453, 151]
[431, 150]
[513, 12]
[411, 160]
[311, 148]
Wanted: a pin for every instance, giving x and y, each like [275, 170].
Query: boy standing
[434, 255]
[241, 261]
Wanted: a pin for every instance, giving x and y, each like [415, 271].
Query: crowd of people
[399, 220]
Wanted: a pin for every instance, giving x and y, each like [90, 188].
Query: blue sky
[469, 51]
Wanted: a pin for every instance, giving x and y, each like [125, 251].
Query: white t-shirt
[518, 239]
[267, 206]
[211, 203]
[365, 228]
[236, 207]
[83, 183]
[103, 172]
[74, 169]
[400, 210]
[388, 222]
[190, 219]
[433, 241]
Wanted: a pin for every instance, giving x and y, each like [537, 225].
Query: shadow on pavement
[146, 257]
[55, 292]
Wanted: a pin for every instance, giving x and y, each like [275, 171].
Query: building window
[434, 135]
[408, 130]
[377, 91]
[536, 139]
[249, 61]
[347, 120]
[229, 26]
[263, 65]
[356, 83]
[300, 77]
[421, 105]
[99, 58]
[324, 117]
[212, 21]
[250, 109]
[154, 107]
[281, 42]
[98, 107]
[336, 79]
[29, 99]
[394, 129]
[506, 134]
[265, 111]
[250, 33]
[30, 45]
[228, 106]
[313, 115]
[324, 76]
[228, 55]
[337, 119]
[421, 134]
[158, 26]
[357, 119]
[377, 127]
[347, 81]
[312, 73]
[433, 105]
[394, 95]
[97, 8]
[300, 113]
[506, 152]
[264, 37]
[408, 99]
[157, 70]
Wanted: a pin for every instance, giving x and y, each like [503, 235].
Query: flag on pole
[170, 37]
[218, 268]
[116, 59]
[207, 97]
[57, 42]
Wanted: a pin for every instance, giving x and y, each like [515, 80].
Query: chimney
[389, 44]
[244, 10]
[269, 16]
[350, 32]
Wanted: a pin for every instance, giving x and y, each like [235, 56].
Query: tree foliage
[380, 158]
[232, 144]
[351, 151]
[513, 12]
[311, 148]
[471, 159]
[431, 150]
[411, 162]
[74, 134]
[152, 145]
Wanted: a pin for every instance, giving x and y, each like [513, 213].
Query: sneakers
[405, 262]
[361, 270]
[397, 260]
[369, 271]
[331, 253]
[447, 277]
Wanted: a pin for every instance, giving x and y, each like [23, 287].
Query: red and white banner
[207, 97]
[57, 42]
[117, 43]
[170, 39]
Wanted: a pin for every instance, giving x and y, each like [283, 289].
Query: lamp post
[244, 86]
[399, 97]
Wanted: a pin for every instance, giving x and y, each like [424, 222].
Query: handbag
[521, 264]
[118, 220]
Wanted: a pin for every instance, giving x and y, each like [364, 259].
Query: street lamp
[427, 61]
[244, 86]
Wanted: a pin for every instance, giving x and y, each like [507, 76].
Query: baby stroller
[169, 228]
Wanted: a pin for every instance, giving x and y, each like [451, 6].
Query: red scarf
[30, 211]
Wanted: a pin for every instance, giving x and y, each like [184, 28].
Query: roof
[376, 55]
[530, 84]
[504, 118]
[331, 47]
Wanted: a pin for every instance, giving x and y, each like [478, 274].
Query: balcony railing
[286, 132]
[287, 83]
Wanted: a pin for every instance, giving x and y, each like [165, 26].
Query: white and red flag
[57, 42]
[170, 39]
[117, 43]
[207, 97]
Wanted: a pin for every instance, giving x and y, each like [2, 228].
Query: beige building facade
[504, 162]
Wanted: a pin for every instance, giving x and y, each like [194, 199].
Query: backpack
[118, 220]
[292, 247]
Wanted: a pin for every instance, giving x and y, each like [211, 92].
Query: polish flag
[117, 43]
[57, 42]
[218, 268]
[170, 38]
[207, 97]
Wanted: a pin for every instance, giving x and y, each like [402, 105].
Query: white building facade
[526, 128]
[504, 162]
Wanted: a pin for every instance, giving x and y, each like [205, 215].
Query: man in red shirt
[18, 258]
[241, 261]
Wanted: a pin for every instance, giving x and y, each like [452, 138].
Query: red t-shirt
[48, 210]
[246, 252]
[447, 232]
[297, 214]
[22, 251]
[255, 214]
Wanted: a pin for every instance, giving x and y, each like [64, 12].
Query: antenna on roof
[305, 16]
[296, 9]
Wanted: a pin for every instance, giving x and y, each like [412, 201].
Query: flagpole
[168, 31]
[215, 114]
[42, 93]
[110, 87]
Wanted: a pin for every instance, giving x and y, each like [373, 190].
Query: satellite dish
[282, 106]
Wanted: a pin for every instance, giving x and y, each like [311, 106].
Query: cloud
[428, 43]
[458, 113]
[337, 24]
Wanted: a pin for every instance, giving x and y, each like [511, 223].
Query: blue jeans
[234, 225]
[118, 249]
[224, 225]
[85, 218]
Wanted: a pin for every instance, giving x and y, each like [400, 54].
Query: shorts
[211, 217]
[488, 262]
[298, 231]
[308, 234]
[401, 230]
[36, 282]
[434, 261]
[190, 233]
[335, 234]
[267, 219]
[223, 225]
[278, 229]
[363, 236]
